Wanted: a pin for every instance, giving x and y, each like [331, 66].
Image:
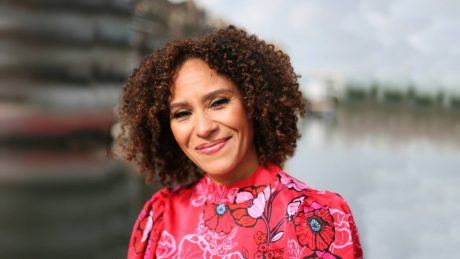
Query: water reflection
[397, 168]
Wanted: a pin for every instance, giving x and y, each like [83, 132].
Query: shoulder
[148, 226]
[324, 198]
[169, 193]
[160, 196]
[156, 203]
[321, 213]
[329, 199]
[151, 219]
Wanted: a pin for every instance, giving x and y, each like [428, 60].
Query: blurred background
[380, 77]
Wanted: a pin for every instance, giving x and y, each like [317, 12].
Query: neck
[244, 170]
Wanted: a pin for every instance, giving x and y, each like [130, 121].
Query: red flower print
[260, 237]
[294, 205]
[248, 193]
[166, 245]
[240, 213]
[346, 232]
[217, 217]
[278, 253]
[263, 247]
[291, 182]
[265, 252]
[322, 255]
[250, 205]
[142, 230]
[147, 228]
[270, 254]
[315, 229]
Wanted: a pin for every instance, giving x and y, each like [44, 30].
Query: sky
[395, 42]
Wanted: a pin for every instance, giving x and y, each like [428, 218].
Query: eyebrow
[205, 98]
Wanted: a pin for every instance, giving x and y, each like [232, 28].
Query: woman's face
[210, 124]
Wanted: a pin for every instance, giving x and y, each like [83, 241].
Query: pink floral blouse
[268, 215]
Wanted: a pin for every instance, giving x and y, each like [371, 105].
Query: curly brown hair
[263, 74]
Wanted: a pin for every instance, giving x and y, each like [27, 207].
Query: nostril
[204, 125]
[205, 131]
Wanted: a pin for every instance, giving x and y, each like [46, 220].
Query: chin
[218, 167]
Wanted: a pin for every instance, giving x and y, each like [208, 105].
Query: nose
[204, 125]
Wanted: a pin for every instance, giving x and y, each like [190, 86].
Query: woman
[216, 117]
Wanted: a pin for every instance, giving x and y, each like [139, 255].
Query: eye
[181, 114]
[220, 102]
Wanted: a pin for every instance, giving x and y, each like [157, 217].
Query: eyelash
[217, 104]
[180, 114]
[220, 102]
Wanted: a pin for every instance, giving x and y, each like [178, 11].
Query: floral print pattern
[147, 228]
[217, 217]
[249, 205]
[315, 229]
[268, 215]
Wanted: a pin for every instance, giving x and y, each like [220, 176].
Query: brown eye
[181, 114]
[219, 102]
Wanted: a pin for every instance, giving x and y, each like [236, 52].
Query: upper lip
[212, 143]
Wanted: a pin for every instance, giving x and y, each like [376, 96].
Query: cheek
[238, 120]
[180, 134]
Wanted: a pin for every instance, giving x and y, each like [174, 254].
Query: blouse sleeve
[346, 243]
[147, 228]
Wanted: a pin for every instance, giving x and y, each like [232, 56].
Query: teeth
[211, 148]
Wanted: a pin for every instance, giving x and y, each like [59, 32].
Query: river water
[398, 170]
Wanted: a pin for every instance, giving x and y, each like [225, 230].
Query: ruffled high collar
[208, 190]
[261, 176]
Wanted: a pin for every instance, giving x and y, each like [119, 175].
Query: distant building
[159, 21]
[61, 59]
[64, 57]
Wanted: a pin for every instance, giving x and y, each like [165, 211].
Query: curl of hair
[263, 74]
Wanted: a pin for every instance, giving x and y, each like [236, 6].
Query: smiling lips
[212, 147]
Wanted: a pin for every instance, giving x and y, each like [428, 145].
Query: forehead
[191, 70]
[195, 77]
